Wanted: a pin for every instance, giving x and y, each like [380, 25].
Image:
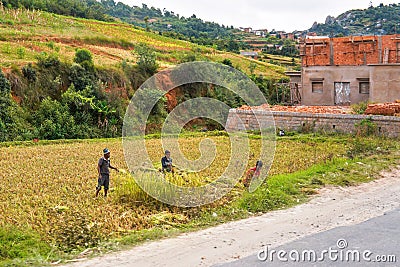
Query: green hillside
[383, 19]
[164, 22]
[110, 42]
[72, 77]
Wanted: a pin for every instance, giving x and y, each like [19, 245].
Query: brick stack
[386, 109]
[302, 109]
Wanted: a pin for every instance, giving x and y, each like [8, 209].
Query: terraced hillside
[24, 34]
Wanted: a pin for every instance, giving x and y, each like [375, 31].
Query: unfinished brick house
[347, 70]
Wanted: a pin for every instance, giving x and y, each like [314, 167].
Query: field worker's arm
[113, 168]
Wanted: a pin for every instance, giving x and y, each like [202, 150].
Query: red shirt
[253, 171]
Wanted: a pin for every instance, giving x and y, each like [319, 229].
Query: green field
[47, 201]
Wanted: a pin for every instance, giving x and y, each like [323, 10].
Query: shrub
[361, 147]
[81, 77]
[147, 59]
[46, 61]
[7, 49]
[188, 57]
[51, 45]
[83, 55]
[366, 127]
[5, 87]
[227, 62]
[21, 52]
[359, 108]
[13, 124]
[29, 72]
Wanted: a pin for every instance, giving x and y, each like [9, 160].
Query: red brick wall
[351, 50]
[315, 52]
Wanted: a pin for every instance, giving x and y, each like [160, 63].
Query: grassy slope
[24, 34]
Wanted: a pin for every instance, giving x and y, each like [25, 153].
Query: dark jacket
[166, 164]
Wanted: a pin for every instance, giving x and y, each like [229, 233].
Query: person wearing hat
[166, 162]
[103, 169]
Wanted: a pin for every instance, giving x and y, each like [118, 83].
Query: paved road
[380, 235]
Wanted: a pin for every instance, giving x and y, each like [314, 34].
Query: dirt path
[333, 207]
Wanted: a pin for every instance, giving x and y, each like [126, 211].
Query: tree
[5, 87]
[227, 62]
[13, 124]
[146, 62]
[82, 74]
[81, 77]
[146, 21]
[53, 120]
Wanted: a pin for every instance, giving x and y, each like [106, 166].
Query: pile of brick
[302, 109]
[386, 109]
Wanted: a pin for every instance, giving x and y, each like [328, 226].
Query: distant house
[289, 36]
[251, 54]
[281, 34]
[312, 34]
[248, 30]
[260, 33]
[316, 37]
[268, 48]
[298, 34]
[273, 34]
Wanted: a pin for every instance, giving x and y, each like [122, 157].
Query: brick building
[347, 70]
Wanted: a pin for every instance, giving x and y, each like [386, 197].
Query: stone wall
[328, 123]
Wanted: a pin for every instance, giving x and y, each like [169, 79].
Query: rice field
[40, 183]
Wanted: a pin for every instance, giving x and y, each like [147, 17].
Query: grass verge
[22, 247]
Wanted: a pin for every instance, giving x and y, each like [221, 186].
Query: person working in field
[103, 168]
[253, 173]
[166, 162]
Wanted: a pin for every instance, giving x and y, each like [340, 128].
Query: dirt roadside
[331, 208]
